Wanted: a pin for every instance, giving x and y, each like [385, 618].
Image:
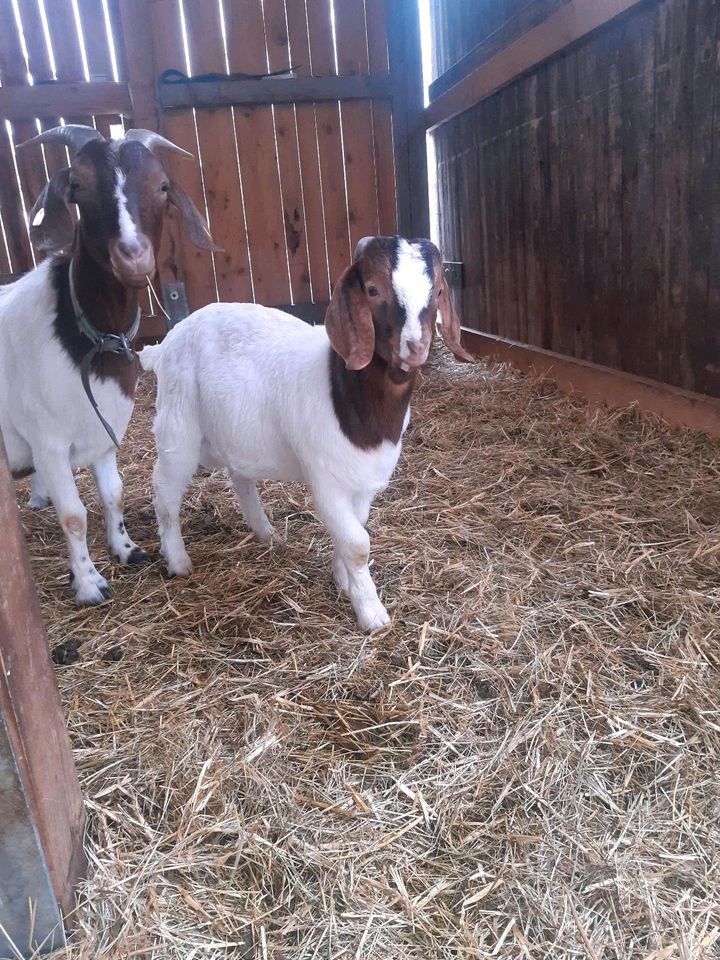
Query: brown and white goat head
[123, 192]
[388, 302]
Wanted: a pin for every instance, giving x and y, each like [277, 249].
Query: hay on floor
[525, 765]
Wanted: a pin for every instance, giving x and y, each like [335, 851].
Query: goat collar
[118, 344]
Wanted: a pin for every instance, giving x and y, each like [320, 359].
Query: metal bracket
[175, 302]
[454, 273]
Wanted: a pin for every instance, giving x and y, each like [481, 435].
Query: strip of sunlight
[426, 50]
[48, 41]
[110, 40]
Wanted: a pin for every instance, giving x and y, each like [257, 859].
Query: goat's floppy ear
[51, 226]
[349, 322]
[191, 220]
[449, 320]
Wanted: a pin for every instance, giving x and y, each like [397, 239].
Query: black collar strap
[115, 343]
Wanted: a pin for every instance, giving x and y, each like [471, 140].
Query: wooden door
[292, 172]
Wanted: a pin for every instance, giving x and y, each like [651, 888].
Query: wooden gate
[292, 170]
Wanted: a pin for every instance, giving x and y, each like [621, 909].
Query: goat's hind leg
[55, 474]
[252, 509]
[39, 497]
[110, 489]
[175, 467]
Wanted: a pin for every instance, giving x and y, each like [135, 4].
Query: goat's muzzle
[413, 355]
[133, 262]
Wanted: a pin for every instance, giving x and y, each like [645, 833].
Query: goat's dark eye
[74, 185]
[165, 187]
[372, 291]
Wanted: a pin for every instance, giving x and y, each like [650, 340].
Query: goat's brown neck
[109, 306]
[370, 404]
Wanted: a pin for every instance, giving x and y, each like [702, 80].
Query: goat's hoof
[93, 595]
[138, 558]
[183, 568]
[373, 618]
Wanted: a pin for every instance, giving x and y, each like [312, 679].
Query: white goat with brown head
[83, 297]
[265, 396]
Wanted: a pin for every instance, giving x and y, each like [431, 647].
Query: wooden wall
[584, 198]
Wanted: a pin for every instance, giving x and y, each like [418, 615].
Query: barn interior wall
[583, 198]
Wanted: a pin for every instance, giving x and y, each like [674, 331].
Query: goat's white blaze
[128, 228]
[412, 287]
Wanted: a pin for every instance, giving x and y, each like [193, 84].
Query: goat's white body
[247, 388]
[48, 424]
[42, 400]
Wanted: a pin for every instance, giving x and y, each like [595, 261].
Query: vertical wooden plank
[12, 71]
[40, 68]
[535, 208]
[382, 119]
[712, 325]
[702, 30]
[31, 710]
[136, 58]
[356, 122]
[286, 134]
[258, 159]
[218, 155]
[588, 266]
[97, 52]
[637, 334]
[337, 234]
[309, 157]
[13, 214]
[408, 121]
[195, 266]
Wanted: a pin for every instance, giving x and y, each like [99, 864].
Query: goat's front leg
[109, 485]
[352, 551]
[361, 503]
[55, 474]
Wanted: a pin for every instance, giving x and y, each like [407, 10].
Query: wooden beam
[518, 24]
[568, 25]
[180, 96]
[602, 386]
[63, 99]
[32, 715]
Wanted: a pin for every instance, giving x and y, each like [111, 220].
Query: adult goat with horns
[67, 369]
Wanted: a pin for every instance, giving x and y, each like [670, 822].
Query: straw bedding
[526, 764]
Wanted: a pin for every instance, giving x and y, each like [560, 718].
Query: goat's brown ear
[449, 320]
[51, 226]
[349, 322]
[192, 222]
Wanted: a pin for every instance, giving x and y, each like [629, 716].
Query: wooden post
[405, 57]
[41, 809]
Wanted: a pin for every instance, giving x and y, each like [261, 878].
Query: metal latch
[454, 273]
[175, 302]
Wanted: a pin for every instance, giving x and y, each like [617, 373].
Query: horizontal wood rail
[565, 27]
[50, 100]
[219, 93]
[602, 385]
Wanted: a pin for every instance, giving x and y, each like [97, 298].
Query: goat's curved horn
[73, 135]
[153, 141]
[362, 245]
